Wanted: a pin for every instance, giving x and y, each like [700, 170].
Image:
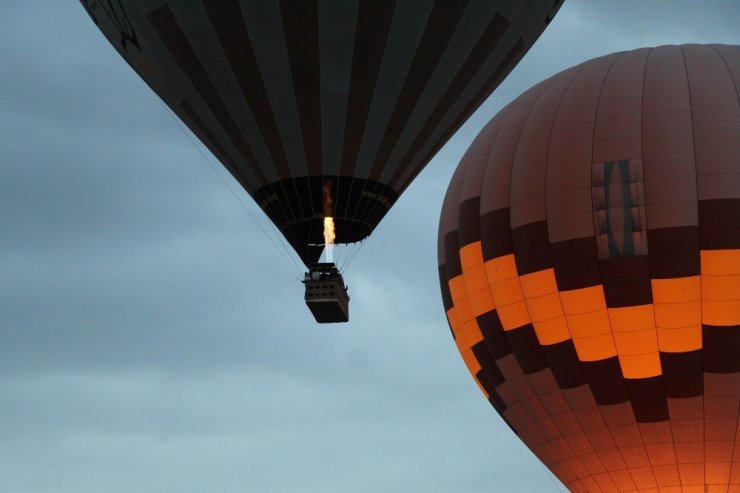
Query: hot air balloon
[322, 109]
[589, 258]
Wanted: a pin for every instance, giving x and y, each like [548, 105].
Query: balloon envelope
[589, 256]
[321, 107]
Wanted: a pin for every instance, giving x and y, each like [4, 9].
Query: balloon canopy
[589, 258]
[320, 107]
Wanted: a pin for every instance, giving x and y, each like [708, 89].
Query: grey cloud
[152, 338]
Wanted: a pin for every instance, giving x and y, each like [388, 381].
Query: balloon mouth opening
[308, 240]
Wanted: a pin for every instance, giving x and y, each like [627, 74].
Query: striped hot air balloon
[298, 99]
[589, 253]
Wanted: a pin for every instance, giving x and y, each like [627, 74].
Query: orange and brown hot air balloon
[589, 252]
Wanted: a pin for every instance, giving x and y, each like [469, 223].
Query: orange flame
[329, 233]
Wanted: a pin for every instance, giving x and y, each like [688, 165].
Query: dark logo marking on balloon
[117, 15]
[618, 195]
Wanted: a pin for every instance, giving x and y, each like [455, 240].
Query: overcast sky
[152, 338]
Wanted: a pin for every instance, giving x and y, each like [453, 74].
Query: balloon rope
[357, 246]
[286, 253]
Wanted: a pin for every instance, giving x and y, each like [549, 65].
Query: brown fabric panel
[498, 404]
[493, 334]
[495, 232]
[719, 222]
[531, 247]
[569, 210]
[648, 399]
[617, 127]
[721, 347]
[576, 263]
[301, 28]
[485, 382]
[727, 384]
[496, 183]
[469, 221]
[441, 25]
[682, 373]
[371, 34]
[445, 287]
[452, 255]
[488, 365]
[527, 349]
[674, 252]
[564, 364]
[626, 281]
[228, 25]
[605, 379]
[172, 36]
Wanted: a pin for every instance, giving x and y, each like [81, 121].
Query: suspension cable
[284, 252]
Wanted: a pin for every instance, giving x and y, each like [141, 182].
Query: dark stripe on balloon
[444, 286]
[626, 281]
[488, 365]
[493, 334]
[499, 405]
[605, 379]
[469, 221]
[301, 29]
[371, 35]
[527, 349]
[495, 231]
[565, 365]
[531, 247]
[485, 383]
[440, 27]
[719, 221]
[721, 347]
[576, 263]
[674, 252]
[174, 39]
[228, 24]
[452, 256]
[683, 374]
[648, 399]
[482, 50]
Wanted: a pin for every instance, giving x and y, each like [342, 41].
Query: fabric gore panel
[683, 373]
[172, 36]
[526, 348]
[371, 33]
[440, 27]
[720, 223]
[493, 334]
[721, 349]
[237, 46]
[495, 227]
[531, 247]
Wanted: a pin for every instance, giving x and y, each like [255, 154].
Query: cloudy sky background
[152, 338]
